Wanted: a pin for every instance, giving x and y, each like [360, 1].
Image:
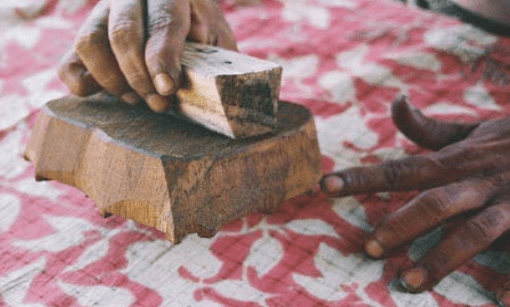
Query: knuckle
[160, 22]
[74, 83]
[483, 228]
[89, 41]
[459, 157]
[393, 172]
[123, 33]
[164, 22]
[437, 202]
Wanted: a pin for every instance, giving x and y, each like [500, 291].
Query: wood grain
[168, 173]
[228, 92]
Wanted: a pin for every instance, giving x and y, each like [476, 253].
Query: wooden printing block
[168, 173]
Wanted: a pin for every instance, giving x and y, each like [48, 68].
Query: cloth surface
[346, 60]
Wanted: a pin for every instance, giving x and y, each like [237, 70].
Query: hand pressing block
[228, 92]
[169, 173]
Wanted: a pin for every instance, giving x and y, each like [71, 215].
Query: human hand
[132, 48]
[470, 173]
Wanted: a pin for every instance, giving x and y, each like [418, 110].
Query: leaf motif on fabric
[460, 288]
[12, 164]
[312, 227]
[14, 286]
[419, 60]
[39, 81]
[25, 36]
[340, 86]
[299, 68]
[352, 211]
[204, 264]
[14, 108]
[241, 290]
[265, 254]
[93, 253]
[43, 189]
[98, 295]
[465, 41]
[69, 232]
[10, 207]
[317, 16]
[72, 6]
[371, 72]
[348, 126]
[340, 3]
[338, 270]
[163, 259]
[404, 299]
[54, 22]
[478, 96]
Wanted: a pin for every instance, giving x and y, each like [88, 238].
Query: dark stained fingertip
[413, 279]
[332, 185]
[400, 103]
[374, 249]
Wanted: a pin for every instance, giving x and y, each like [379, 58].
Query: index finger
[127, 37]
[410, 173]
[168, 24]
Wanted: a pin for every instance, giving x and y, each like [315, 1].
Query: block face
[168, 173]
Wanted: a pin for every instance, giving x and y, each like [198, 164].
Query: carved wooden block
[168, 173]
[228, 92]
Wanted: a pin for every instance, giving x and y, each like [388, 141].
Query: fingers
[415, 172]
[426, 212]
[212, 30]
[168, 25]
[93, 48]
[127, 37]
[75, 75]
[426, 132]
[457, 247]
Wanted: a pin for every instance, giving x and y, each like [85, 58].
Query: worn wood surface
[228, 92]
[168, 173]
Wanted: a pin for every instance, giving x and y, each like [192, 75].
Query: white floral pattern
[345, 60]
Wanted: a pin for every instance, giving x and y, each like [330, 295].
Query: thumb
[425, 131]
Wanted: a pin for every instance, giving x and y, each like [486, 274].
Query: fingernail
[374, 248]
[131, 98]
[158, 103]
[333, 184]
[503, 298]
[164, 84]
[413, 279]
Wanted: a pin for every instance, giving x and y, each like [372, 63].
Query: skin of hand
[132, 48]
[465, 188]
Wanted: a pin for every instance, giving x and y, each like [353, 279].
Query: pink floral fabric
[345, 60]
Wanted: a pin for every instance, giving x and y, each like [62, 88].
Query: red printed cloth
[346, 60]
